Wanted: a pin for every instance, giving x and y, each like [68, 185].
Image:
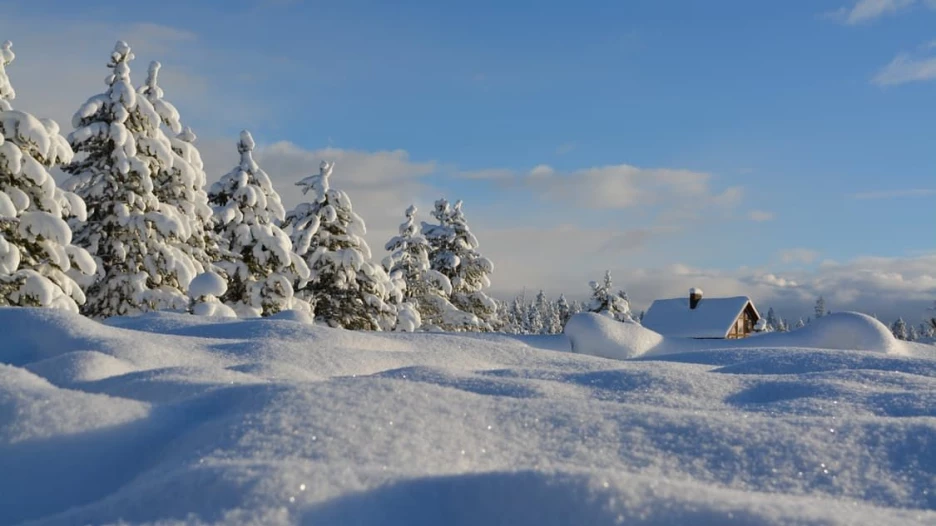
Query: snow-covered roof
[712, 317]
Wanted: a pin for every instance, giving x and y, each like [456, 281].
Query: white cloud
[760, 216]
[867, 10]
[907, 67]
[799, 255]
[617, 186]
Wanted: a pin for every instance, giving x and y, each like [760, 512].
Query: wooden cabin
[708, 318]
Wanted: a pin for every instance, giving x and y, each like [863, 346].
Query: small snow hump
[207, 283]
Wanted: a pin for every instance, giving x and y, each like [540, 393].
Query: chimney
[695, 296]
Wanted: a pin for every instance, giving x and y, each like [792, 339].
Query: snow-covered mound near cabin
[177, 419]
[602, 336]
[599, 335]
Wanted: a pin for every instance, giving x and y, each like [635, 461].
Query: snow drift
[599, 335]
[179, 419]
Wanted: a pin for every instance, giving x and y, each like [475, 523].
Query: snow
[182, 419]
[207, 284]
[601, 336]
[712, 317]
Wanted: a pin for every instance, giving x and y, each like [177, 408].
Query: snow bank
[602, 336]
[175, 418]
[598, 335]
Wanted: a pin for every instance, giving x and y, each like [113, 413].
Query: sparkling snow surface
[172, 418]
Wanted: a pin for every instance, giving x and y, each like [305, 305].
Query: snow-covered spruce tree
[131, 235]
[36, 254]
[345, 287]
[181, 185]
[552, 322]
[514, 316]
[536, 315]
[428, 289]
[820, 308]
[260, 266]
[563, 311]
[454, 253]
[899, 329]
[772, 323]
[605, 301]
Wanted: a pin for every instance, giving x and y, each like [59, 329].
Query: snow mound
[841, 331]
[598, 335]
[293, 315]
[207, 284]
[848, 331]
[80, 366]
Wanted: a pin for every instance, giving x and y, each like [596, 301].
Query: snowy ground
[168, 418]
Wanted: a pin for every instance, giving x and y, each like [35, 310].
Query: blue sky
[738, 145]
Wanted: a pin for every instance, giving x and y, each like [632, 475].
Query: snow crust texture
[178, 419]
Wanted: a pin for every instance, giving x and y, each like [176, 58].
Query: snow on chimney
[695, 296]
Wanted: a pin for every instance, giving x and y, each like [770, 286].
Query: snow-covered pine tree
[912, 333]
[514, 316]
[454, 253]
[605, 301]
[537, 314]
[428, 289]
[772, 323]
[552, 323]
[36, 254]
[800, 324]
[820, 308]
[181, 185]
[563, 310]
[261, 267]
[899, 329]
[345, 287]
[131, 235]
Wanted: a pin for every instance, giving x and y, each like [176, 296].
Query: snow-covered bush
[36, 251]
[345, 287]
[260, 264]
[132, 236]
[206, 291]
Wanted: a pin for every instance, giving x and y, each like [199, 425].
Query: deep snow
[174, 418]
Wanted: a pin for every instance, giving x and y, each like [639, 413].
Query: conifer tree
[181, 185]
[345, 287]
[515, 315]
[772, 323]
[131, 235]
[605, 301]
[428, 289]
[820, 309]
[454, 254]
[261, 267]
[899, 329]
[537, 315]
[563, 310]
[36, 254]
